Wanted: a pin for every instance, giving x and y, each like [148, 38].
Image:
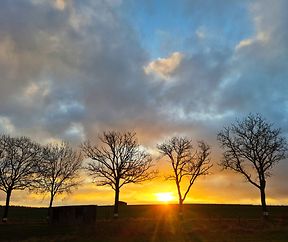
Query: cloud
[164, 67]
[60, 4]
[69, 70]
[6, 126]
[258, 66]
[260, 38]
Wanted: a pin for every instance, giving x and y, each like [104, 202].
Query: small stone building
[82, 214]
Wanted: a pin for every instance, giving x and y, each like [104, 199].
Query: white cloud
[41, 89]
[60, 4]
[76, 130]
[243, 43]
[261, 37]
[201, 33]
[164, 67]
[6, 125]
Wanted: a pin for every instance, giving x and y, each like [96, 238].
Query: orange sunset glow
[165, 197]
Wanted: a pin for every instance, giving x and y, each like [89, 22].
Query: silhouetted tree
[252, 147]
[118, 160]
[18, 159]
[58, 172]
[186, 163]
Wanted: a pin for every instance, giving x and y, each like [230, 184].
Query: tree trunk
[263, 199]
[116, 203]
[50, 207]
[180, 204]
[5, 215]
[180, 209]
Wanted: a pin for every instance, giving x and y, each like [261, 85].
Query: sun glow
[164, 196]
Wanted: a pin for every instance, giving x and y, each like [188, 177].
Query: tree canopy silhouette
[118, 160]
[186, 163]
[58, 172]
[18, 159]
[252, 147]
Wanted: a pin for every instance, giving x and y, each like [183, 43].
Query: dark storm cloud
[83, 68]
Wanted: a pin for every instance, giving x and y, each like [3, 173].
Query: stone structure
[82, 214]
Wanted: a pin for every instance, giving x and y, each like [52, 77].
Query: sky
[73, 69]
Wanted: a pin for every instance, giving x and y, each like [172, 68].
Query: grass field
[141, 223]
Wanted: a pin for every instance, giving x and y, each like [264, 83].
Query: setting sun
[164, 196]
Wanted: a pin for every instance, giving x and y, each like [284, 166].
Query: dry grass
[160, 224]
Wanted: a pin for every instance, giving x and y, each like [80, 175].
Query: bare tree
[117, 161]
[18, 159]
[59, 171]
[186, 163]
[252, 147]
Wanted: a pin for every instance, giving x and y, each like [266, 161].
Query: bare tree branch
[252, 147]
[18, 159]
[59, 170]
[120, 160]
[186, 162]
